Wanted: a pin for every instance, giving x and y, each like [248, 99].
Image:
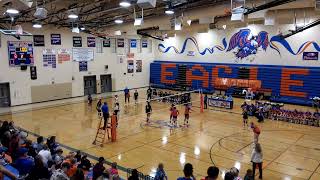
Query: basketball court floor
[215, 137]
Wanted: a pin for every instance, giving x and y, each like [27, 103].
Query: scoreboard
[20, 53]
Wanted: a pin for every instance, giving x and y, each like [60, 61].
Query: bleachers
[288, 84]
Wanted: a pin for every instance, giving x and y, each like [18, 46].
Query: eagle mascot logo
[245, 44]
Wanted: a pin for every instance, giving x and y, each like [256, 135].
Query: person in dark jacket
[39, 171]
[98, 169]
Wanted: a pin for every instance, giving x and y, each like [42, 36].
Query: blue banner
[133, 43]
[91, 42]
[83, 66]
[144, 43]
[55, 39]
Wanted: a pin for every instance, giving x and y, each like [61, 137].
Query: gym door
[5, 95]
[89, 85]
[106, 83]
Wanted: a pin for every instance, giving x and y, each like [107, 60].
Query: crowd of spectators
[276, 111]
[45, 159]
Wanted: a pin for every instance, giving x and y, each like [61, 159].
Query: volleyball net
[161, 100]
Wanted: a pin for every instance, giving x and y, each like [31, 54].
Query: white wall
[214, 37]
[20, 82]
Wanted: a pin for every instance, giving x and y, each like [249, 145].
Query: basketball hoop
[19, 29]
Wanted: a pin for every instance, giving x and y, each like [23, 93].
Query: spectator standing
[161, 174]
[256, 159]
[188, 172]
[105, 112]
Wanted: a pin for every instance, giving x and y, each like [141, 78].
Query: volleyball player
[98, 107]
[171, 109]
[89, 100]
[175, 114]
[148, 111]
[116, 110]
[245, 118]
[136, 94]
[187, 114]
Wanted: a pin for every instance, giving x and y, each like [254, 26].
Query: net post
[201, 101]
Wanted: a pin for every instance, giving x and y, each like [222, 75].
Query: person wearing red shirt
[187, 114]
[175, 114]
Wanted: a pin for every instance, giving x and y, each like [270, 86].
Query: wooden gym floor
[291, 152]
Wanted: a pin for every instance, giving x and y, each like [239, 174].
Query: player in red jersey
[175, 114]
[187, 114]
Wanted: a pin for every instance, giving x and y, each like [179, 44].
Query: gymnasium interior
[159, 89]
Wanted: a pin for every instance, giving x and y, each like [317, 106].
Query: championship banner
[64, 55]
[38, 40]
[106, 42]
[49, 58]
[133, 43]
[144, 43]
[91, 41]
[82, 54]
[83, 66]
[55, 39]
[77, 41]
[120, 42]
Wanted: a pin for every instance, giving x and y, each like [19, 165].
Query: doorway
[5, 100]
[89, 85]
[106, 83]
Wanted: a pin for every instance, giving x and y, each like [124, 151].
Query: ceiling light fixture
[138, 22]
[12, 11]
[118, 21]
[73, 16]
[189, 21]
[125, 4]
[37, 25]
[169, 11]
